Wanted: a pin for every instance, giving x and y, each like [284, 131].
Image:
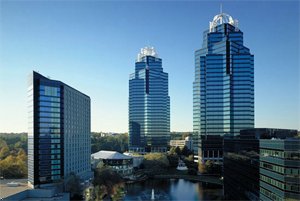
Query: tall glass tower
[149, 104]
[59, 141]
[223, 89]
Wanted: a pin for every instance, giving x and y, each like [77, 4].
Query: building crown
[146, 51]
[222, 18]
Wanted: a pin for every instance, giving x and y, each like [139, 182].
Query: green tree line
[13, 157]
[117, 142]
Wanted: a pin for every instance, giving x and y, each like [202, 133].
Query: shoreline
[198, 178]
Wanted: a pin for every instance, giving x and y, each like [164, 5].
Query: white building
[121, 163]
[137, 159]
[188, 142]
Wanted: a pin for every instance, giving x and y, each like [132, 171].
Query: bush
[192, 171]
[173, 160]
[210, 167]
[202, 168]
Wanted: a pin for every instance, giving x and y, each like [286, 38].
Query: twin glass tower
[149, 104]
[223, 89]
[223, 93]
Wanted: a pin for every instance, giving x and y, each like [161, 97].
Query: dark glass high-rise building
[59, 130]
[223, 90]
[149, 104]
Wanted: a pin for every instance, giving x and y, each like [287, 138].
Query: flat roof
[6, 191]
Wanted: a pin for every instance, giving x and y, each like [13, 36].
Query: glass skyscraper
[223, 90]
[149, 104]
[59, 132]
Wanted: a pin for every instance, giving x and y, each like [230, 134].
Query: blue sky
[92, 46]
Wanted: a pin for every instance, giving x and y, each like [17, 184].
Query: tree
[202, 168]
[173, 160]
[107, 179]
[12, 168]
[117, 143]
[13, 158]
[155, 163]
[72, 185]
[4, 152]
[192, 171]
[178, 151]
[22, 155]
[159, 158]
[172, 150]
[209, 166]
[185, 151]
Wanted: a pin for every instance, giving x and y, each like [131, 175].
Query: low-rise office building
[209, 148]
[38, 194]
[241, 169]
[253, 169]
[188, 142]
[121, 163]
[279, 169]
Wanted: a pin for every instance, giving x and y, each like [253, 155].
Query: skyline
[93, 46]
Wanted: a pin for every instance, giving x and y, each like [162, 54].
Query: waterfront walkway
[200, 178]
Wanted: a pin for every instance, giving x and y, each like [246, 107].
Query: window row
[49, 109]
[49, 90]
[49, 99]
[48, 114]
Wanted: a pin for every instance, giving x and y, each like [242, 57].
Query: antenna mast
[221, 9]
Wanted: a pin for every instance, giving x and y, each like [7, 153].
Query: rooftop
[222, 18]
[6, 190]
[110, 155]
[146, 51]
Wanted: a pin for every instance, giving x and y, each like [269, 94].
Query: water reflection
[172, 189]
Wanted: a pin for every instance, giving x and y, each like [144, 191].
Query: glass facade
[45, 135]
[262, 164]
[241, 169]
[223, 90]
[279, 169]
[49, 132]
[149, 104]
[48, 129]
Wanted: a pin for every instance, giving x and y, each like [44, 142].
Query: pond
[172, 189]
